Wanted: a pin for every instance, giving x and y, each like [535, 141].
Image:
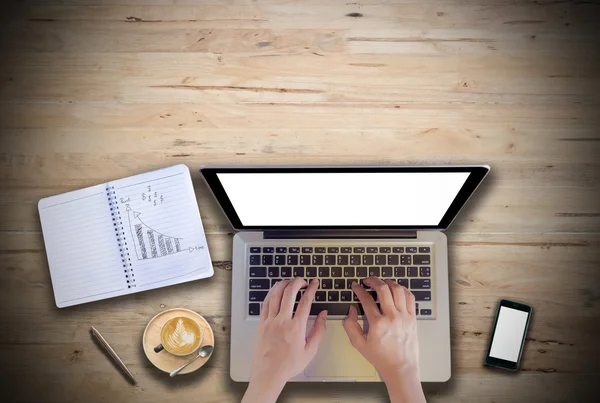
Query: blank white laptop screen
[342, 199]
[510, 328]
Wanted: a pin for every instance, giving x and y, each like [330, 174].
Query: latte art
[181, 336]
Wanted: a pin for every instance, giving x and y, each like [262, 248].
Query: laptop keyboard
[337, 267]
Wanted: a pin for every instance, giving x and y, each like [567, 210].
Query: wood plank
[496, 209]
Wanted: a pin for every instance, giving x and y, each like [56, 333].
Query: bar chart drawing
[149, 243]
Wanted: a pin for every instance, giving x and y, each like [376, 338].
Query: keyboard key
[392, 259]
[339, 284]
[273, 271]
[279, 259]
[254, 309]
[317, 260]
[255, 249]
[348, 271]
[421, 259]
[258, 271]
[330, 259]
[307, 249]
[367, 260]
[359, 249]
[333, 296]
[333, 249]
[399, 271]
[385, 249]
[262, 284]
[336, 272]
[362, 283]
[323, 271]
[398, 249]
[350, 281]
[424, 249]
[254, 260]
[372, 249]
[346, 296]
[422, 295]
[281, 249]
[425, 312]
[411, 249]
[268, 249]
[311, 271]
[404, 260]
[354, 259]
[267, 260]
[299, 296]
[319, 250]
[304, 259]
[346, 250]
[424, 271]
[294, 249]
[361, 271]
[258, 296]
[326, 284]
[380, 260]
[286, 272]
[342, 260]
[292, 260]
[275, 281]
[403, 282]
[321, 296]
[412, 272]
[420, 283]
[298, 271]
[374, 271]
[386, 272]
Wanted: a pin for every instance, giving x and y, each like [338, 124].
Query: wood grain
[96, 90]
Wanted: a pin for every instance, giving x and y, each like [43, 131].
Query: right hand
[391, 344]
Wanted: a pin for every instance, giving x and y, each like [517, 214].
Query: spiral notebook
[123, 237]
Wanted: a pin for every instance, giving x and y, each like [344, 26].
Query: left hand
[283, 350]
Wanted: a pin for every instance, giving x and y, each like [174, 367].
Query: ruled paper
[84, 259]
[163, 229]
[145, 235]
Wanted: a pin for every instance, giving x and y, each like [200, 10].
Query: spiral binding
[115, 213]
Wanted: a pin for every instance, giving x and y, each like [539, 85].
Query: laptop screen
[340, 198]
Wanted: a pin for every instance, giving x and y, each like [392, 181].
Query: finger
[410, 302]
[315, 337]
[274, 297]
[353, 329]
[398, 295]
[366, 301]
[289, 296]
[306, 301]
[383, 293]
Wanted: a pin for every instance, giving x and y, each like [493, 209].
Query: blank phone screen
[508, 336]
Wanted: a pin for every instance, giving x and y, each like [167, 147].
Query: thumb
[316, 334]
[353, 329]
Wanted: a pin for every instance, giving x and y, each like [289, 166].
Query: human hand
[283, 350]
[391, 344]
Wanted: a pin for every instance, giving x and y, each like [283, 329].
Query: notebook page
[83, 256]
[163, 234]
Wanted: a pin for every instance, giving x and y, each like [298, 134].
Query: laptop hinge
[339, 234]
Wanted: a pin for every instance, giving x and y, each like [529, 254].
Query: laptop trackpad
[337, 358]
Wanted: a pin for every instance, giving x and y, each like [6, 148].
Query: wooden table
[91, 93]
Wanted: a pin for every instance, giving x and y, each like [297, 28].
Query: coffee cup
[180, 336]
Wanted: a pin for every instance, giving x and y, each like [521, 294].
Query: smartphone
[508, 336]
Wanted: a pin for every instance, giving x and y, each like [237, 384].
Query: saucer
[168, 362]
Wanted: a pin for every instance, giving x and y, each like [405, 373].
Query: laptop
[342, 224]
